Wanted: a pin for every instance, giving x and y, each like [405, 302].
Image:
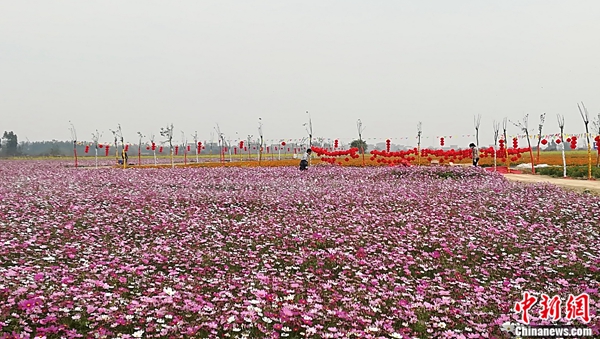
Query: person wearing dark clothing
[304, 160]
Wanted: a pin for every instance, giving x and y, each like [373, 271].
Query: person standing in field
[475, 154]
[304, 160]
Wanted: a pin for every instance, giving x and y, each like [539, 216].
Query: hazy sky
[144, 64]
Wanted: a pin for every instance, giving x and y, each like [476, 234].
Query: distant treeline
[10, 147]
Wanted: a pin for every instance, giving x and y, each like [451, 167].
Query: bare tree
[504, 126]
[361, 129]
[586, 121]
[496, 134]
[249, 145]
[195, 136]
[561, 125]
[260, 133]
[118, 134]
[477, 123]
[152, 138]
[221, 143]
[74, 140]
[167, 132]
[419, 132]
[184, 142]
[524, 127]
[596, 124]
[309, 130]
[540, 126]
[140, 148]
[96, 137]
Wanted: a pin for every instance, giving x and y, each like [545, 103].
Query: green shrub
[572, 171]
[551, 171]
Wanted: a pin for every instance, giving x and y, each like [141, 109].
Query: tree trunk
[530, 153]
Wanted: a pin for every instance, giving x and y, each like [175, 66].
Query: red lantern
[241, 144]
[283, 143]
[544, 142]
[568, 139]
[160, 149]
[100, 145]
[442, 141]
[106, 150]
[189, 148]
[573, 142]
[336, 143]
[87, 148]
[147, 148]
[176, 150]
[515, 143]
[558, 141]
[126, 148]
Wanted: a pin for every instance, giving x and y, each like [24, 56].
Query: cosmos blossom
[272, 252]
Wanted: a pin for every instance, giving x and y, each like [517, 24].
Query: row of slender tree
[523, 126]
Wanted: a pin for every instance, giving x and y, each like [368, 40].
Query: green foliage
[360, 144]
[572, 171]
[10, 144]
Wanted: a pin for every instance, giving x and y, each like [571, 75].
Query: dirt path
[574, 184]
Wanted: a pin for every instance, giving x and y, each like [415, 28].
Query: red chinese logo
[550, 308]
[578, 307]
[524, 305]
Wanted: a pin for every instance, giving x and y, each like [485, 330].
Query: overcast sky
[145, 64]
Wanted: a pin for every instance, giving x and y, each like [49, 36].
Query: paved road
[574, 184]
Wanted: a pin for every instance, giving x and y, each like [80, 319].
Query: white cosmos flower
[169, 291]
[138, 334]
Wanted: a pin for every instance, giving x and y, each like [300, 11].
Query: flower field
[334, 252]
